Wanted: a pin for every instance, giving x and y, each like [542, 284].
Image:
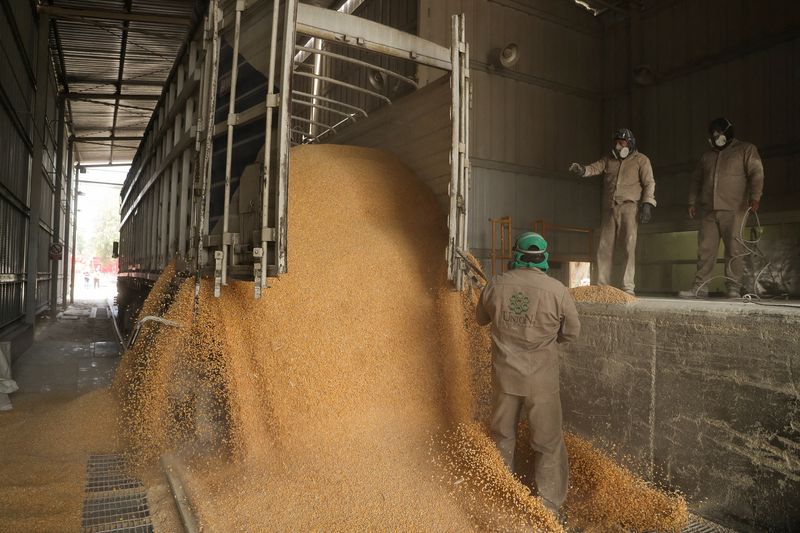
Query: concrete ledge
[19, 336]
[703, 396]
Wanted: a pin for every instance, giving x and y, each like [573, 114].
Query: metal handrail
[314, 122]
[330, 100]
[343, 84]
[358, 62]
[325, 108]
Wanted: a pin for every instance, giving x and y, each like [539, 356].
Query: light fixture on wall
[505, 57]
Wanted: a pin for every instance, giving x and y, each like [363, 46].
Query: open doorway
[96, 229]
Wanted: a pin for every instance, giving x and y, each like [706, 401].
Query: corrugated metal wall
[738, 59]
[530, 121]
[418, 130]
[18, 41]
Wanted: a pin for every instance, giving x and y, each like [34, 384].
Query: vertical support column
[266, 171]
[455, 119]
[68, 249]
[226, 237]
[57, 207]
[284, 132]
[74, 237]
[35, 174]
[463, 149]
[316, 89]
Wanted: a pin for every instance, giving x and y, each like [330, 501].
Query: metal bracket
[230, 239]
[217, 272]
[257, 254]
[273, 100]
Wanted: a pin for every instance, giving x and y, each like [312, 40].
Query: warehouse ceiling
[112, 58]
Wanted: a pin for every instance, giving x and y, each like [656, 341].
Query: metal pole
[272, 103]
[282, 190]
[35, 183]
[203, 183]
[229, 149]
[67, 248]
[74, 239]
[463, 163]
[315, 88]
[57, 208]
[455, 115]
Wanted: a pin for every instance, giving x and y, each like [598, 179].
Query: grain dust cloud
[354, 394]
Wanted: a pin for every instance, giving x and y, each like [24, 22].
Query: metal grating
[701, 525]
[114, 502]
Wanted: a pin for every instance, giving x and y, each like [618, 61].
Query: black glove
[646, 213]
[577, 168]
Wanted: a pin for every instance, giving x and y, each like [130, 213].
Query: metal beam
[111, 81]
[67, 228]
[118, 92]
[36, 178]
[59, 12]
[59, 181]
[112, 96]
[361, 33]
[107, 138]
[75, 185]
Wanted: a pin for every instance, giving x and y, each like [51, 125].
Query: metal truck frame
[208, 186]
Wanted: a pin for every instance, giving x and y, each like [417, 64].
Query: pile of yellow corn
[346, 397]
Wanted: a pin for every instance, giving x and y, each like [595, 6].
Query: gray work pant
[618, 226]
[550, 462]
[716, 225]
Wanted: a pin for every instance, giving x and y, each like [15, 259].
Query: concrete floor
[77, 352]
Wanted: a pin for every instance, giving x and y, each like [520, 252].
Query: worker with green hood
[530, 314]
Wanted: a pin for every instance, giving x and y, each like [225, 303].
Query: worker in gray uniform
[728, 181]
[628, 198]
[530, 313]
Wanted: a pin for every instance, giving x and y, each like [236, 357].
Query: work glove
[646, 213]
[577, 168]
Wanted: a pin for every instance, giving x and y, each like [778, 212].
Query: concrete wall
[710, 58]
[528, 122]
[703, 397]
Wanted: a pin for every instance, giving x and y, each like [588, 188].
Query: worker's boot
[629, 291]
[733, 293]
[694, 292]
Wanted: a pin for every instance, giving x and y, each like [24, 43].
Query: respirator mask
[621, 152]
[720, 133]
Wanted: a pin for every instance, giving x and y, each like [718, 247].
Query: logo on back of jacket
[517, 312]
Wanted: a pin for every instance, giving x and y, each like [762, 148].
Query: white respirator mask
[720, 140]
[622, 151]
